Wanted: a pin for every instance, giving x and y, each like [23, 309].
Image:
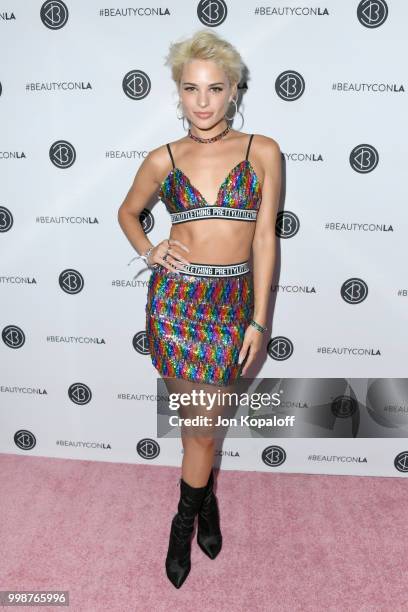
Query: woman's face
[205, 89]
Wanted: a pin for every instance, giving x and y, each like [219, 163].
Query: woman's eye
[190, 87]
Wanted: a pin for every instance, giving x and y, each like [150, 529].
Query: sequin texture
[195, 325]
[241, 188]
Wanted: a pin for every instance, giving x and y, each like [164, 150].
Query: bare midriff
[215, 241]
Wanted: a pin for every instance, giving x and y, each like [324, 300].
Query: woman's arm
[264, 243]
[145, 183]
[142, 189]
[263, 248]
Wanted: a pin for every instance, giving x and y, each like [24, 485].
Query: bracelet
[145, 257]
[257, 326]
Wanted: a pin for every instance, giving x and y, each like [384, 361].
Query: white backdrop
[84, 96]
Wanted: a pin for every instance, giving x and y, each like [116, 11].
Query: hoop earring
[236, 110]
[182, 117]
[178, 104]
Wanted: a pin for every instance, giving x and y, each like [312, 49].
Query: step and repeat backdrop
[84, 96]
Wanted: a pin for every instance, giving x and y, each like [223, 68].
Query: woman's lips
[203, 115]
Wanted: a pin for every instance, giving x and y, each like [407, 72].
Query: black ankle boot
[182, 526]
[209, 535]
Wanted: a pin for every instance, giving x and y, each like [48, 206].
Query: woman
[206, 311]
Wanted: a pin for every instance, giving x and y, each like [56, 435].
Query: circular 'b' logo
[24, 439]
[344, 406]
[13, 336]
[54, 14]
[146, 220]
[364, 158]
[287, 224]
[6, 219]
[401, 462]
[290, 85]
[62, 154]
[136, 84]
[148, 448]
[79, 393]
[354, 291]
[280, 348]
[273, 456]
[212, 12]
[372, 14]
[71, 281]
[140, 343]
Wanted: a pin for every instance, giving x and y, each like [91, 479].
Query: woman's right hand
[167, 255]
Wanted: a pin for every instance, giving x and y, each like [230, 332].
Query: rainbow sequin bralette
[239, 195]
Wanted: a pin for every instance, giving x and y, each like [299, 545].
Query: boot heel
[209, 537]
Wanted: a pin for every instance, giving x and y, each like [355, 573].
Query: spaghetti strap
[249, 144]
[171, 155]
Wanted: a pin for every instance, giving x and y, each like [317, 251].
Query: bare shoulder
[158, 157]
[267, 147]
[158, 162]
[266, 153]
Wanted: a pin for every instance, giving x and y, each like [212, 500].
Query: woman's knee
[204, 442]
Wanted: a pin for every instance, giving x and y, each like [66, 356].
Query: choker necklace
[207, 140]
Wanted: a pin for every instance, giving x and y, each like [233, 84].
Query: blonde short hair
[205, 44]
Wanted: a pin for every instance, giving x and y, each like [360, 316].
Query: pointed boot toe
[177, 572]
[210, 545]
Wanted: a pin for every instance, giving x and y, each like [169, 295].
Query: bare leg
[196, 483]
[199, 441]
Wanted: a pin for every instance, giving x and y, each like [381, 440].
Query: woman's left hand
[251, 346]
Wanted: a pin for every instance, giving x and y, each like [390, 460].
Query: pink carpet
[291, 542]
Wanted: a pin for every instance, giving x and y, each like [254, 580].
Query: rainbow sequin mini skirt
[196, 320]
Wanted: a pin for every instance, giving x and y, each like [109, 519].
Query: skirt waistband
[217, 270]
